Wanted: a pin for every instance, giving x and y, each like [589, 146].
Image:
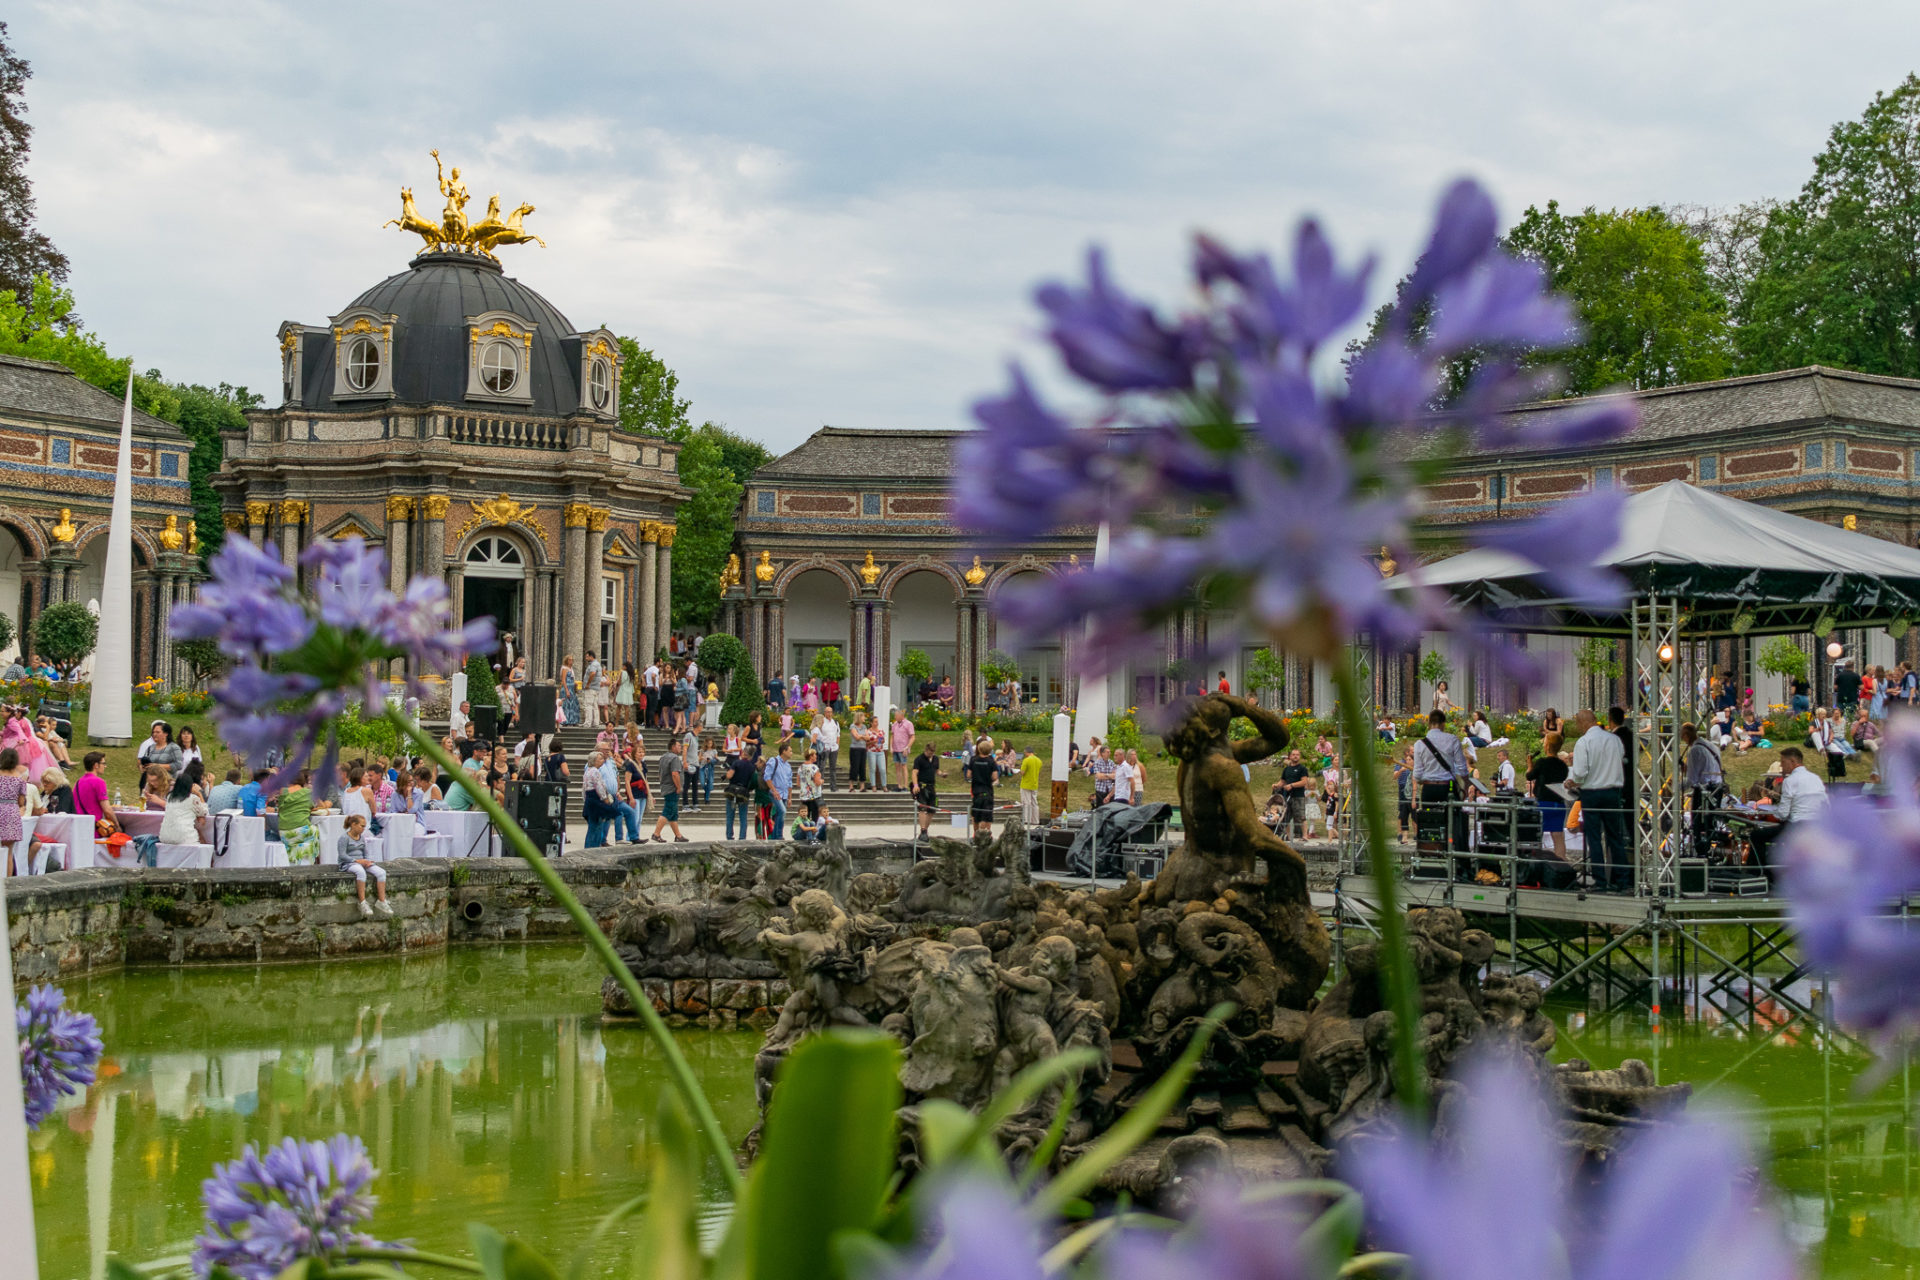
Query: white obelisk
[1090, 717]
[16, 1183]
[110, 719]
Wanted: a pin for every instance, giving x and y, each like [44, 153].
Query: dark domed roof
[431, 301]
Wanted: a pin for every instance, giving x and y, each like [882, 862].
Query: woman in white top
[189, 743]
[186, 814]
[357, 796]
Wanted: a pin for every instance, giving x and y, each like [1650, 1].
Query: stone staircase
[887, 809]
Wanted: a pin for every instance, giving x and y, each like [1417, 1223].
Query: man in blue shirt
[252, 803]
[779, 779]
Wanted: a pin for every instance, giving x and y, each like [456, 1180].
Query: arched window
[495, 557]
[500, 367]
[363, 363]
[600, 383]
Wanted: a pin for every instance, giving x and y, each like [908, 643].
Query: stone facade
[59, 446]
[849, 524]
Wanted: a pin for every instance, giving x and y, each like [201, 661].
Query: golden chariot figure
[454, 231]
[730, 572]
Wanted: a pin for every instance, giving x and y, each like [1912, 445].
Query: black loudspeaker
[539, 809]
[484, 727]
[536, 709]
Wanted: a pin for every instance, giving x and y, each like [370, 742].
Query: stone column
[432, 552]
[293, 514]
[537, 635]
[663, 589]
[776, 640]
[573, 581]
[982, 642]
[649, 589]
[258, 513]
[856, 645]
[399, 516]
[595, 568]
[963, 660]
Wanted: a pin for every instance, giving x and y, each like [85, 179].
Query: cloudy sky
[834, 212]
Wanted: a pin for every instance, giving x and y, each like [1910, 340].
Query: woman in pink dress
[19, 735]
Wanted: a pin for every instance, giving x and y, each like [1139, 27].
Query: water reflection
[483, 1084]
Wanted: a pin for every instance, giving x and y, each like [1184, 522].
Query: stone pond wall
[74, 922]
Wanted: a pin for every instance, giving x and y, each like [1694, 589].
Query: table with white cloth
[331, 826]
[470, 832]
[406, 837]
[140, 822]
[146, 822]
[240, 841]
[16, 851]
[72, 831]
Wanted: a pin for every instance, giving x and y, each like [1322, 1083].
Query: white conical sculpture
[1090, 717]
[16, 1188]
[110, 716]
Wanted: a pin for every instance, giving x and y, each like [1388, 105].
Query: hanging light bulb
[1834, 650]
[1666, 654]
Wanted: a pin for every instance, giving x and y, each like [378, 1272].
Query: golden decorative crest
[502, 510]
[170, 536]
[869, 571]
[764, 571]
[976, 575]
[64, 531]
[454, 232]
[730, 573]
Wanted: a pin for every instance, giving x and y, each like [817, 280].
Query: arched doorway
[494, 584]
[1043, 676]
[13, 590]
[924, 619]
[816, 616]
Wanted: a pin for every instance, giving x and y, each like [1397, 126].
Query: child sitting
[353, 856]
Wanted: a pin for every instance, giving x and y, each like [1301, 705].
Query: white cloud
[835, 213]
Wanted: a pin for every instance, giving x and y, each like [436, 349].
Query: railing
[509, 433]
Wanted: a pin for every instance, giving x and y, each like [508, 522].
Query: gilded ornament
[1388, 565]
[764, 571]
[291, 341]
[436, 505]
[193, 537]
[575, 514]
[64, 531]
[293, 512]
[976, 575]
[1073, 563]
[170, 536]
[666, 536]
[869, 571]
[258, 511]
[454, 233]
[1850, 522]
[730, 573]
[502, 510]
[399, 507]
[234, 520]
[650, 531]
[597, 518]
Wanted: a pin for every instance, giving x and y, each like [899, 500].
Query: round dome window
[500, 367]
[600, 383]
[363, 363]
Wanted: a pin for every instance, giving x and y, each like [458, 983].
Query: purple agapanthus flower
[299, 1200]
[59, 1050]
[1250, 479]
[1678, 1202]
[301, 658]
[1845, 875]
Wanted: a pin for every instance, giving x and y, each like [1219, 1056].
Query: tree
[999, 666]
[915, 666]
[1780, 656]
[650, 400]
[721, 653]
[738, 454]
[203, 658]
[1267, 676]
[1434, 668]
[744, 694]
[64, 634]
[705, 528]
[1638, 281]
[829, 664]
[204, 413]
[6, 631]
[1839, 279]
[24, 251]
[1598, 658]
[481, 689]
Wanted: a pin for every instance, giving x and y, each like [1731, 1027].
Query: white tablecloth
[16, 852]
[240, 841]
[331, 826]
[469, 832]
[73, 830]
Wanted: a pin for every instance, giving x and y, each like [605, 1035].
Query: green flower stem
[413, 1255]
[678, 1069]
[1402, 987]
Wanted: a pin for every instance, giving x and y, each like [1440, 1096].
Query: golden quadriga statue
[454, 232]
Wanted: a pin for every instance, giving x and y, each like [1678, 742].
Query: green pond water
[486, 1089]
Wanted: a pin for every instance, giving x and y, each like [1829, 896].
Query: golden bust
[1388, 565]
[454, 233]
[64, 531]
[170, 537]
[193, 537]
[976, 575]
[764, 571]
[869, 571]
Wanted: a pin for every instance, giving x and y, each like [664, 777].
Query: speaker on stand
[536, 709]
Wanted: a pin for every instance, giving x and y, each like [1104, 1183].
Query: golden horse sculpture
[452, 232]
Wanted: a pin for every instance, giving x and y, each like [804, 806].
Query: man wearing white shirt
[650, 680]
[1803, 798]
[1440, 771]
[460, 721]
[1599, 773]
[826, 740]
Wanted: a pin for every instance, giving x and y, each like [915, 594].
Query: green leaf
[668, 1247]
[946, 1131]
[118, 1270]
[1132, 1129]
[504, 1259]
[826, 1154]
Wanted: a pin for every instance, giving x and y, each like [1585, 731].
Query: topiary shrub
[6, 631]
[915, 665]
[481, 689]
[720, 654]
[64, 634]
[744, 694]
[828, 664]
